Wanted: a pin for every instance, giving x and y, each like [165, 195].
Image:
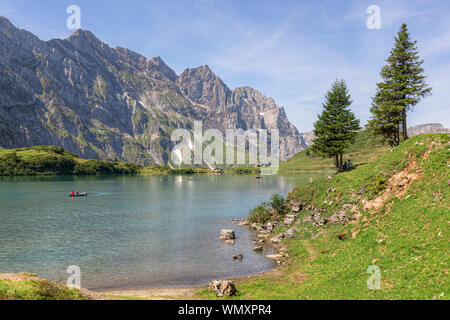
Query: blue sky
[289, 50]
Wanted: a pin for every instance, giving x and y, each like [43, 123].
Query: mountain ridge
[105, 103]
[427, 128]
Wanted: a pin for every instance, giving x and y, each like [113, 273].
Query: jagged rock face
[308, 138]
[203, 87]
[103, 102]
[427, 128]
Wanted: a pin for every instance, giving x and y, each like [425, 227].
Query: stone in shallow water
[258, 249]
[227, 234]
[238, 257]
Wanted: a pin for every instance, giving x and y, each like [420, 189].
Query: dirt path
[154, 294]
[178, 293]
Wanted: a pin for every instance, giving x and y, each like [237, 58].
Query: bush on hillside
[261, 214]
[271, 211]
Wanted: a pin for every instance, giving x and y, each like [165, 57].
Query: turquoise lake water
[132, 232]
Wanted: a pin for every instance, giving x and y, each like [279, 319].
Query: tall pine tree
[337, 126]
[403, 86]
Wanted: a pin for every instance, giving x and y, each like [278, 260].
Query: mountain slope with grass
[45, 160]
[392, 214]
[365, 149]
[52, 160]
[26, 286]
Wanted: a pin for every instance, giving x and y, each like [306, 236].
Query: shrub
[269, 211]
[260, 214]
[278, 203]
[376, 186]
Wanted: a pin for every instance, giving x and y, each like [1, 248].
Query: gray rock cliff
[106, 103]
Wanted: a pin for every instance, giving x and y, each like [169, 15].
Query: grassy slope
[365, 149]
[29, 287]
[35, 152]
[48, 160]
[406, 236]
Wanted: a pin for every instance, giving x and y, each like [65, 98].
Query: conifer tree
[403, 86]
[337, 126]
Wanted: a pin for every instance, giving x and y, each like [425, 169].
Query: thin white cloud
[297, 69]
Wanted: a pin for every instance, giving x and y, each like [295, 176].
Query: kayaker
[77, 193]
[73, 193]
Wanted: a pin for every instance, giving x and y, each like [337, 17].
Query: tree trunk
[397, 136]
[405, 127]
[340, 162]
[336, 162]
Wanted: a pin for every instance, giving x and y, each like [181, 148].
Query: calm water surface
[132, 232]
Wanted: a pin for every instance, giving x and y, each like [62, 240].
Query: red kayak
[84, 194]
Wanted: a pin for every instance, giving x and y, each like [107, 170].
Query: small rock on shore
[222, 288]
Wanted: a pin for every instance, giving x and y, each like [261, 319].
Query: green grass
[47, 160]
[37, 290]
[166, 170]
[407, 237]
[244, 171]
[365, 149]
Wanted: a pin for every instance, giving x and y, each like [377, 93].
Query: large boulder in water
[227, 234]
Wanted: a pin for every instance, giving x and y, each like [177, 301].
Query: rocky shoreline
[269, 234]
[281, 227]
[265, 235]
[298, 212]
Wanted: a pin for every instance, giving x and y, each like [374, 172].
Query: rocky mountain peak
[202, 86]
[155, 68]
[10, 33]
[252, 97]
[6, 26]
[203, 73]
[4, 22]
[84, 39]
[162, 67]
[83, 34]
